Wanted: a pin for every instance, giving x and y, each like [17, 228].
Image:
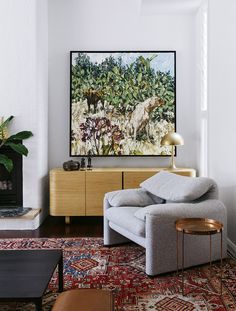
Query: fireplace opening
[11, 183]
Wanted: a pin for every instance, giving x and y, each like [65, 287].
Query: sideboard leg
[67, 220]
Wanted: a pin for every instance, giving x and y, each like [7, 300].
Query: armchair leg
[151, 276]
[111, 237]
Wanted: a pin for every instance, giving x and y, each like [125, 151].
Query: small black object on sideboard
[71, 165]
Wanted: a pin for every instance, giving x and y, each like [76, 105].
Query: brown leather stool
[84, 300]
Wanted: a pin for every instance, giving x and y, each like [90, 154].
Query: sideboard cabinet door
[97, 184]
[132, 179]
[67, 191]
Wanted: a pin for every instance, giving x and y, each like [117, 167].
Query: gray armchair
[152, 224]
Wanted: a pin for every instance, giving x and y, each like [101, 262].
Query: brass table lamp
[172, 139]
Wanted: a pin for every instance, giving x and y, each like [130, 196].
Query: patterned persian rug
[87, 264]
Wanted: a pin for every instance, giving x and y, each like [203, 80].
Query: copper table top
[198, 226]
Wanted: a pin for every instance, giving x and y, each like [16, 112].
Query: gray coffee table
[25, 274]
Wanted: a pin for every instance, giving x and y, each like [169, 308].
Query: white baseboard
[231, 248]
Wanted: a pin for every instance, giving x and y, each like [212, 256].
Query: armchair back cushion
[177, 188]
[132, 197]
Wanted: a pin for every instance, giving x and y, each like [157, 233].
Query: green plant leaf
[139, 78]
[152, 57]
[19, 148]
[106, 149]
[5, 123]
[20, 136]
[116, 70]
[6, 162]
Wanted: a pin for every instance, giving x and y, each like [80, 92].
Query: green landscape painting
[122, 103]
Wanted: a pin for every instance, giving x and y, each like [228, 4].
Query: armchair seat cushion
[125, 218]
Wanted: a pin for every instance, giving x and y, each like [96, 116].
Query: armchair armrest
[173, 211]
[161, 234]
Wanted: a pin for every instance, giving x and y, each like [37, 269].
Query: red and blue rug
[87, 264]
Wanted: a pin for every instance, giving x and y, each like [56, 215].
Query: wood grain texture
[97, 184]
[132, 179]
[80, 193]
[67, 193]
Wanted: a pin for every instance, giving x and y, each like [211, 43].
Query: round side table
[198, 226]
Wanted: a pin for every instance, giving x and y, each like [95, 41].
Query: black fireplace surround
[11, 192]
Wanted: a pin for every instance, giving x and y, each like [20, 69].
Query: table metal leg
[38, 304]
[60, 274]
[210, 256]
[183, 264]
[221, 262]
[217, 228]
[177, 250]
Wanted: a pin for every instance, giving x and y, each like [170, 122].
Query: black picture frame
[172, 52]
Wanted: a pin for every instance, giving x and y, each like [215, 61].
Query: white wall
[24, 85]
[109, 25]
[118, 25]
[222, 104]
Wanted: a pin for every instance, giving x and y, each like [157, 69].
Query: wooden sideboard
[81, 193]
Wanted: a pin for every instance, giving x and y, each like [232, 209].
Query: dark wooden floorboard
[55, 227]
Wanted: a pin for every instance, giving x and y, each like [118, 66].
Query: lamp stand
[172, 165]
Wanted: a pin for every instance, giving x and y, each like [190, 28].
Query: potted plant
[13, 142]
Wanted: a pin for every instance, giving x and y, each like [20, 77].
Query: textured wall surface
[24, 86]
[118, 25]
[222, 108]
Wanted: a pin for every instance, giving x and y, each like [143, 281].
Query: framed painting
[121, 103]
